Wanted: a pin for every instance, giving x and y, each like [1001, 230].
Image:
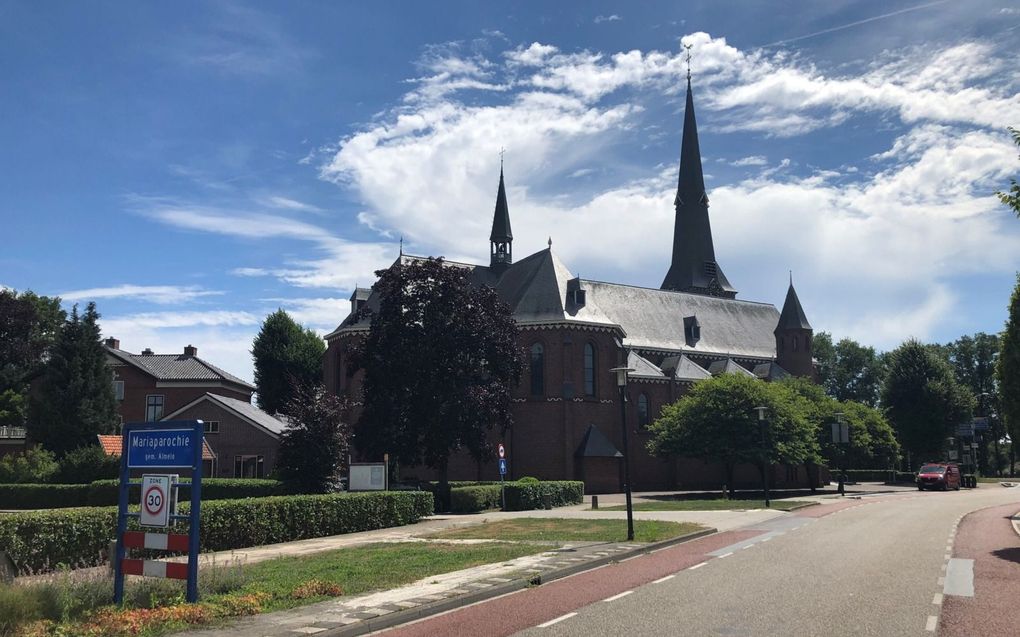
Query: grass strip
[571, 530]
[708, 505]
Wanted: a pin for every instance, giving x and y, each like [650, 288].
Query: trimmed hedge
[876, 475]
[104, 493]
[475, 498]
[522, 496]
[39, 541]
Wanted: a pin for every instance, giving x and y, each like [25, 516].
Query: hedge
[40, 541]
[104, 493]
[522, 496]
[475, 498]
[876, 475]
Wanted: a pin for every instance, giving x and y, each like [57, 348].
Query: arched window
[589, 370]
[782, 343]
[537, 370]
[795, 343]
[643, 416]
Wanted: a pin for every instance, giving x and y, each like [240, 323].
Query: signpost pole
[193, 522]
[502, 473]
[122, 505]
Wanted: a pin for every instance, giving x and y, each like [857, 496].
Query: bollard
[594, 502]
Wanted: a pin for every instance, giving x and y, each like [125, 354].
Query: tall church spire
[501, 239]
[693, 268]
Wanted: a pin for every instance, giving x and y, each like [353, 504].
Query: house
[573, 331]
[12, 440]
[149, 385]
[244, 439]
[113, 445]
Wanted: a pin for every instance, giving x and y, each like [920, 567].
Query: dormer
[575, 293]
[692, 330]
[358, 298]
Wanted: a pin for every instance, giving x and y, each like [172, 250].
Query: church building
[573, 331]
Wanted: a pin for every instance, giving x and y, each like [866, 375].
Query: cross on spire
[501, 152]
[688, 48]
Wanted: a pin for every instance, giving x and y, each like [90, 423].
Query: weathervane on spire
[688, 47]
[501, 151]
[401, 245]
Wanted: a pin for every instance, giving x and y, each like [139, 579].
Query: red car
[940, 476]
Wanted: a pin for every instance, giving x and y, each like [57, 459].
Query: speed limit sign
[156, 500]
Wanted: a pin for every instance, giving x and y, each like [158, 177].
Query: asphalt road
[874, 566]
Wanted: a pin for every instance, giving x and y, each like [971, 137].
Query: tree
[973, 361]
[315, 444]
[440, 361]
[1007, 372]
[1012, 197]
[285, 354]
[75, 400]
[923, 400]
[29, 325]
[716, 421]
[849, 370]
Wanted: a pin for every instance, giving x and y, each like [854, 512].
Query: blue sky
[193, 166]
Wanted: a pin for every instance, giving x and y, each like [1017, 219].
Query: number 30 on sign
[156, 500]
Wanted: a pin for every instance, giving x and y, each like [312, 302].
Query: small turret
[793, 337]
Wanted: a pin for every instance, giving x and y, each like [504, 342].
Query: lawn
[572, 530]
[154, 606]
[708, 505]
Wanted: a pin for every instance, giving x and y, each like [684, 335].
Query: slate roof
[727, 366]
[793, 316]
[177, 367]
[682, 368]
[596, 445]
[272, 424]
[112, 445]
[643, 368]
[501, 216]
[770, 371]
[647, 318]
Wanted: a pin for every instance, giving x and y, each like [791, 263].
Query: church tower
[694, 268]
[501, 238]
[793, 337]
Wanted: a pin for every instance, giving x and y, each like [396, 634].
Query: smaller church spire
[792, 316]
[501, 238]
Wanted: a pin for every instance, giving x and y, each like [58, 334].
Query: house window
[153, 407]
[642, 411]
[249, 466]
[211, 426]
[118, 389]
[537, 370]
[589, 370]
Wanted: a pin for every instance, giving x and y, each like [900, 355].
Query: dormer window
[575, 293]
[692, 330]
[711, 269]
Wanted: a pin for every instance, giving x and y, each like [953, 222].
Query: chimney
[112, 343]
[146, 352]
[191, 350]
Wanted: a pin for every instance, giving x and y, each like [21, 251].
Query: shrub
[87, 464]
[40, 541]
[475, 498]
[522, 496]
[18, 605]
[33, 465]
[42, 496]
[528, 480]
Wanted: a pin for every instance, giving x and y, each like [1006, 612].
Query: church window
[589, 370]
[643, 419]
[537, 370]
[795, 343]
[782, 343]
[807, 341]
[711, 268]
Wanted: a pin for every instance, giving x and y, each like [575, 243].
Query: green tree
[973, 361]
[1007, 372]
[75, 400]
[717, 422]
[440, 362]
[923, 400]
[1012, 197]
[285, 354]
[315, 444]
[29, 325]
[848, 370]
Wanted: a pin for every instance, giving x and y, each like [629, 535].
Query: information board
[367, 476]
[162, 448]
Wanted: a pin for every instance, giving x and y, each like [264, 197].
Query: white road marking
[937, 600]
[749, 546]
[663, 579]
[698, 565]
[960, 578]
[556, 621]
[616, 597]
[726, 555]
[942, 581]
[768, 538]
[933, 621]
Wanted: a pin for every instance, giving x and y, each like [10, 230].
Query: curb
[1015, 520]
[802, 506]
[397, 618]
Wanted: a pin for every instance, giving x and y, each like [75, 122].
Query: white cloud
[753, 160]
[286, 203]
[607, 18]
[323, 314]
[161, 294]
[162, 320]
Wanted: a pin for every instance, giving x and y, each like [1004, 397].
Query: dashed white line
[726, 555]
[937, 600]
[749, 546]
[556, 621]
[663, 579]
[618, 596]
[933, 621]
[766, 539]
[698, 565]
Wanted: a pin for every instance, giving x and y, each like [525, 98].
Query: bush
[41, 541]
[42, 496]
[475, 498]
[875, 475]
[522, 496]
[104, 493]
[87, 464]
[18, 606]
[33, 465]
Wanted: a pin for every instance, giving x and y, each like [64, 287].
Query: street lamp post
[762, 425]
[621, 382]
[841, 436]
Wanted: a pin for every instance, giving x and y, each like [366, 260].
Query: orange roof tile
[112, 446]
